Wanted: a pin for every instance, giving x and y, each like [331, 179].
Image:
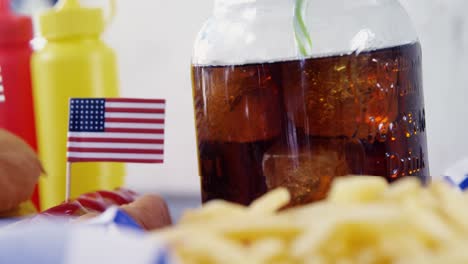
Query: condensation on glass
[267, 117]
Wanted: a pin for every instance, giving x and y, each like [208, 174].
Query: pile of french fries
[364, 220]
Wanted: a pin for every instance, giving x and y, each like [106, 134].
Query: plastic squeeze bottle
[16, 101]
[74, 62]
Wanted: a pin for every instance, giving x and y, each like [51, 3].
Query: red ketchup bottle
[16, 102]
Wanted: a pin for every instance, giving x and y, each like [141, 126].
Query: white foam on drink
[357, 51]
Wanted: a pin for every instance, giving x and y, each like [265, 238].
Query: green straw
[301, 32]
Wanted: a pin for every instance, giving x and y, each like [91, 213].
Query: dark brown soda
[301, 123]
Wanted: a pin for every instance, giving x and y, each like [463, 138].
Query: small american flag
[116, 130]
[2, 88]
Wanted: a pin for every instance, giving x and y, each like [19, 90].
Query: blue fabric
[123, 219]
[162, 258]
[450, 180]
[48, 241]
[33, 245]
[115, 216]
[464, 184]
[51, 242]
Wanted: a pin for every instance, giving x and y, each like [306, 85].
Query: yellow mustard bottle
[74, 62]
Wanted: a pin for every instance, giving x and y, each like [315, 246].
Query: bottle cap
[70, 19]
[14, 28]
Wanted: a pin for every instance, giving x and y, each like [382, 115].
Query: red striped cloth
[116, 130]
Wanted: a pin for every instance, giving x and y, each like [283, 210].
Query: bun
[20, 169]
[150, 211]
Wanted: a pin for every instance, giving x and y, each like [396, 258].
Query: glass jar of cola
[295, 93]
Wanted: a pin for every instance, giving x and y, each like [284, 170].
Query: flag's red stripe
[135, 110]
[114, 150]
[115, 160]
[116, 140]
[135, 130]
[135, 120]
[134, 100]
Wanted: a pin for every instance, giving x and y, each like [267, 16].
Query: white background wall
[154, 40]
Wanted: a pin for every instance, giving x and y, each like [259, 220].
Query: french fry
[267, 250]
[364, 221]
[210, 248]
[212, 211]
[271, 202]
[402, 189]
[362, 189]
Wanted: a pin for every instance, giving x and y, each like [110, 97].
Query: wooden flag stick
[68, 182]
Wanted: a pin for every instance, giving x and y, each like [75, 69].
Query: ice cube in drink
[306, 171]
